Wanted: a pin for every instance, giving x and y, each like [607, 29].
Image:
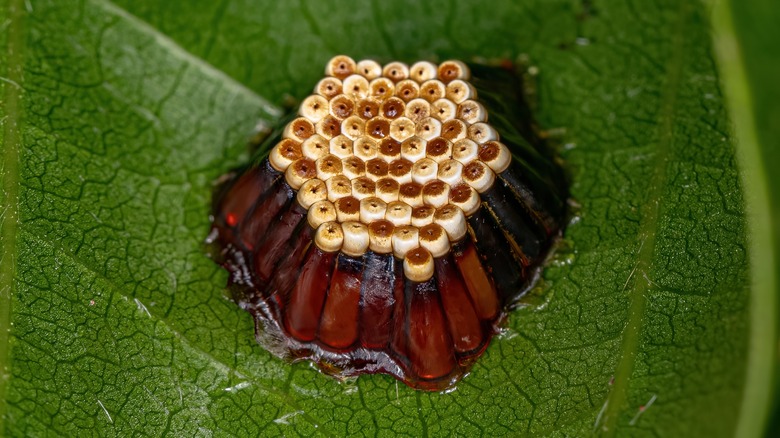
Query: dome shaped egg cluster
[391, 159]
[389, 228]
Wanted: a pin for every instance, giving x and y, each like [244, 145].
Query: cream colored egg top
[391, 158]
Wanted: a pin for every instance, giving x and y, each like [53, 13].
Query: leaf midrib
[617, 398]
[10, 114]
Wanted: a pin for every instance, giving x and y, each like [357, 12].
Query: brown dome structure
[392, 223]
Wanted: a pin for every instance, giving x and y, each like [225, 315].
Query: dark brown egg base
[356, 315]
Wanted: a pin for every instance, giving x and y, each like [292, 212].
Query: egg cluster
[391, 158]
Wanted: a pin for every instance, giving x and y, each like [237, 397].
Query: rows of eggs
[391, 159]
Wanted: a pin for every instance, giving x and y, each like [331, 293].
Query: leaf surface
[127, 112]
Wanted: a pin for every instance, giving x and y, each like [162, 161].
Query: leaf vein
[226, 369]
[175, 49]
[10, 109]
[652, 208]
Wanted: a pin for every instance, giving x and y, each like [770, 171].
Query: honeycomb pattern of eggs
[391, 159]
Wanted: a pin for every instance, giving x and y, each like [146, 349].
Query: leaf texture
[127, 112]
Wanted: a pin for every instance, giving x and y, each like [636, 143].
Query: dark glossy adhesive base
[355, 315]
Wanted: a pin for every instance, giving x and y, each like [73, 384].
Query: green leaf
[745, 35]
[117, 118]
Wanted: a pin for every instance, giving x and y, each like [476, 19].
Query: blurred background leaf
[746, 35]
[118, 116]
